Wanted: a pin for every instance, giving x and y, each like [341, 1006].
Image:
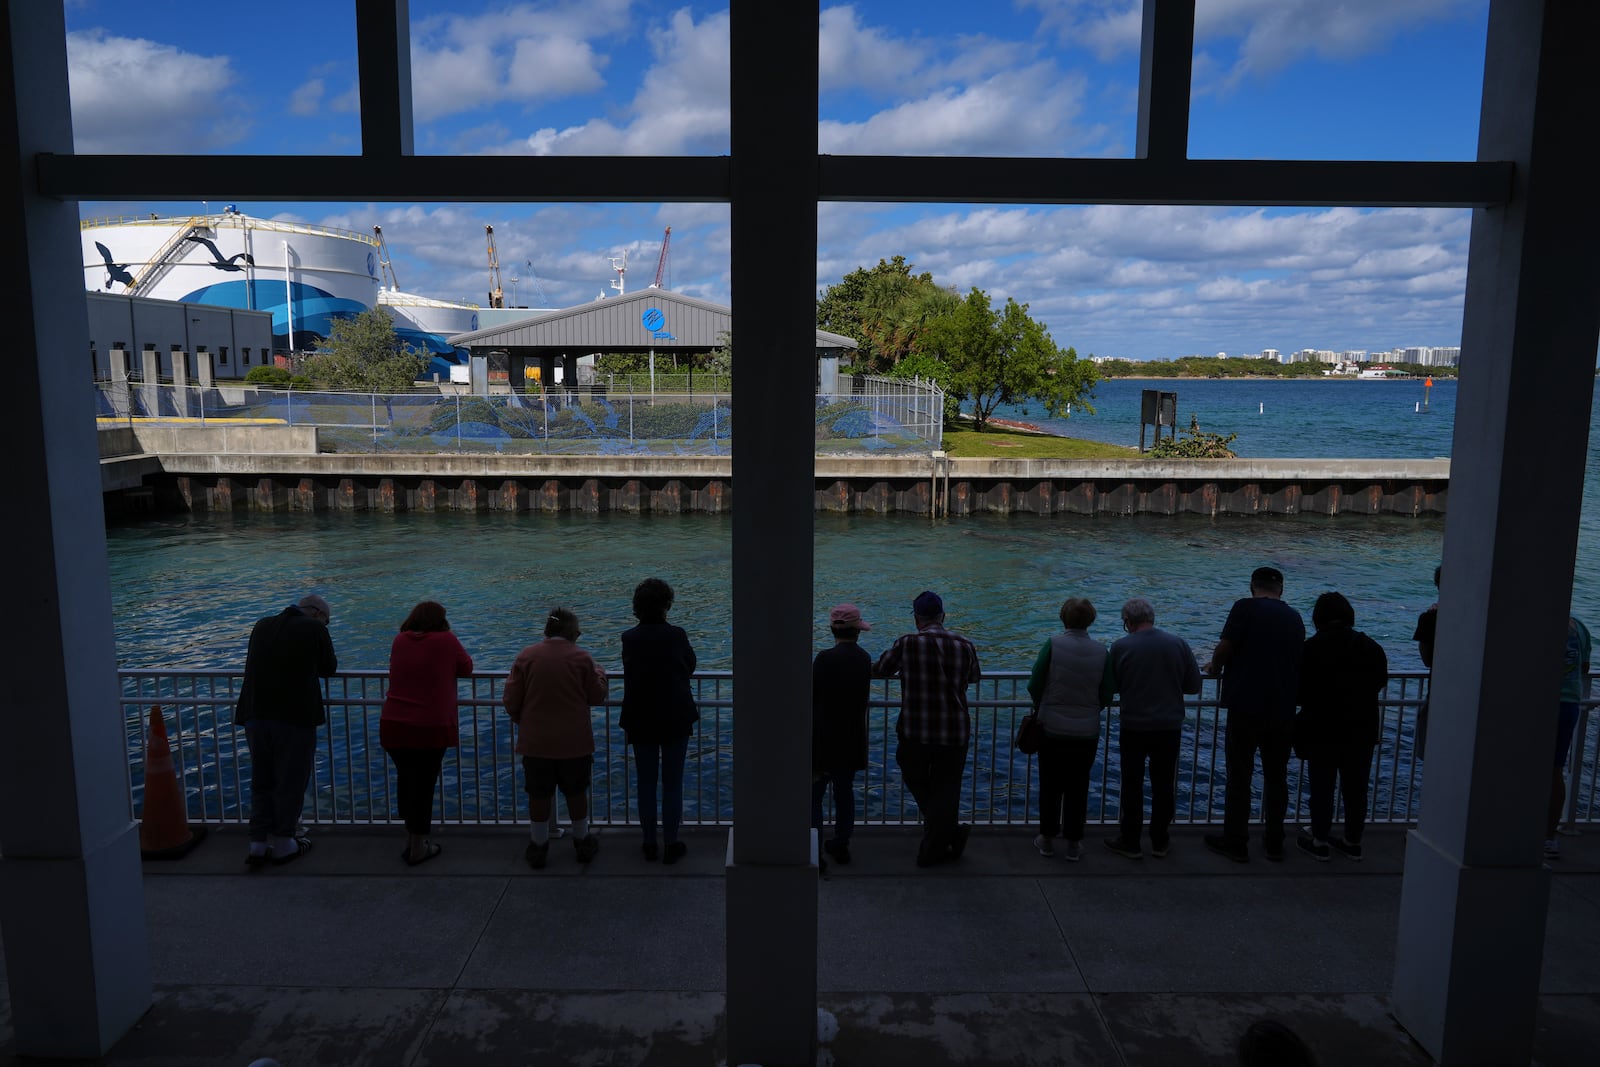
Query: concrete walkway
[1006, 958]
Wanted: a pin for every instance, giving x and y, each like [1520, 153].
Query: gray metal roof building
[634, 322]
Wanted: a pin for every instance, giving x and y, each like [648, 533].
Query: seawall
[270, 470]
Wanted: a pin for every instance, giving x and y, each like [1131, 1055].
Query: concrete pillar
[771, 888]
[150, 382]
[120, 399]
[204, 370]
[180, 384]
[71, 899]
[1473, 904]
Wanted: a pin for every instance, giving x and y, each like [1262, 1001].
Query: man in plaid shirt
[935, 667]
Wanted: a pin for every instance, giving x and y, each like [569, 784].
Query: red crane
[661, 264]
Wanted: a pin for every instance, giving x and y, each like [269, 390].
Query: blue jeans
[281, 757]
[844, 802]
[669, 758]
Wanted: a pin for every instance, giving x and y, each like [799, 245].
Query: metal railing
[353, 782]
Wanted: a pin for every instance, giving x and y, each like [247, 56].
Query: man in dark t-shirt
[1259, 657]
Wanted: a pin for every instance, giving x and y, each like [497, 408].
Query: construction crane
[497, 296]
[383, 261]
[661, 264]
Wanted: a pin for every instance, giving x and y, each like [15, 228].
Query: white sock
[580, 828]
[540, 832]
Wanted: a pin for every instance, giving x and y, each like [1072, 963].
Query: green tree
[931, 368]
[1000, 357]
[364, 355]
[885, 309]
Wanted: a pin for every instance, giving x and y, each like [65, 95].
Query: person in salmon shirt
[419, 719]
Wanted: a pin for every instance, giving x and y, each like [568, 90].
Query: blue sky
[1361, 79]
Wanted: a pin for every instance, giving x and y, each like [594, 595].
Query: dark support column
[1166, 62]
[383, 32]
[772, 877]
[71, 899]
[1472, 910]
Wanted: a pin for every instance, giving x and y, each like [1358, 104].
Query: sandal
[431, 850]
[302, 845]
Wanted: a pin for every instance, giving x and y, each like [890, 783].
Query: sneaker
[838, 849]
[536, 855]
[585, 847]
[1074, 851]
[959, 845]
[1349, 849]
[1552, 849]
[1223, 847]
[1045, 846]
[1160, 850]
[650, 852]
[675, 851]
[1273, 852]
[1317, 850]
[1122, 848]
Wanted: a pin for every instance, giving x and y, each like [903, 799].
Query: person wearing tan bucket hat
[841, 683]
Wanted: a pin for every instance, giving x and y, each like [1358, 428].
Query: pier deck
[1004, 959]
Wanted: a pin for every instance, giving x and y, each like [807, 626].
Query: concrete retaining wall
[916, 485]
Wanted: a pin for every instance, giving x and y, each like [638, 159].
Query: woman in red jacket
[419, 719]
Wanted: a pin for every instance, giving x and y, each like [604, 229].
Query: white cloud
[1023, 112]
[1163, 281]
[307, 99]
[134, 95]
[681, 106]
[525, 53]
[1263, 36]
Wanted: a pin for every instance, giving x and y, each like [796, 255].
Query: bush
[1197, 444]
[273, 377]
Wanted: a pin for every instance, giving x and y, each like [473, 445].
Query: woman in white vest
[1071, 686]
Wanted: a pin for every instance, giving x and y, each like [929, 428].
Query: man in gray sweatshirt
[1152, 670]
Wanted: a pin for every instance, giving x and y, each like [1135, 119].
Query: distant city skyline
[1272, 79]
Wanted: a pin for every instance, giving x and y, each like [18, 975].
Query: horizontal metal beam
[706, 179]
[356, 179]
[1259, 182]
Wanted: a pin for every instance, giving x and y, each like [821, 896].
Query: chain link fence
[884, 416]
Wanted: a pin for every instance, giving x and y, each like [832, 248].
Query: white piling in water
[1262, 408]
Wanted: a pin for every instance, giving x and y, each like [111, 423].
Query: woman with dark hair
[1342, 671]
[658, 712]
[419, 719]
[1071, 685]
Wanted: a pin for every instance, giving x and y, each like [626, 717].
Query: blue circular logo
[653, 319]
[474, 323]
[372, 265]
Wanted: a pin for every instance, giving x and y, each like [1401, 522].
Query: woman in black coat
[658, 712]
[1342, 671]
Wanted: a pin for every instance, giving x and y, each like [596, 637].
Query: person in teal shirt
[1574, 687]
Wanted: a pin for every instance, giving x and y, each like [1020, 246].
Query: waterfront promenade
[1006, 958]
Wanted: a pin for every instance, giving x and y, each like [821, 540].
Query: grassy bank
[1002, 444]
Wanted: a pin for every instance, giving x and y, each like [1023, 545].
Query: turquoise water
[187, 589]
[1332, 417]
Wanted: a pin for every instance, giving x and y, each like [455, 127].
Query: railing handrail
[353, 782]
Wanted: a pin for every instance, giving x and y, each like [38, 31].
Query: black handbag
[1030, 734]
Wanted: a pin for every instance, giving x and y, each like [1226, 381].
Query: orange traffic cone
[164, 832]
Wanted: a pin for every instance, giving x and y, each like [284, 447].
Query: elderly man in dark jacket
[280, 707]
[1153, 670]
